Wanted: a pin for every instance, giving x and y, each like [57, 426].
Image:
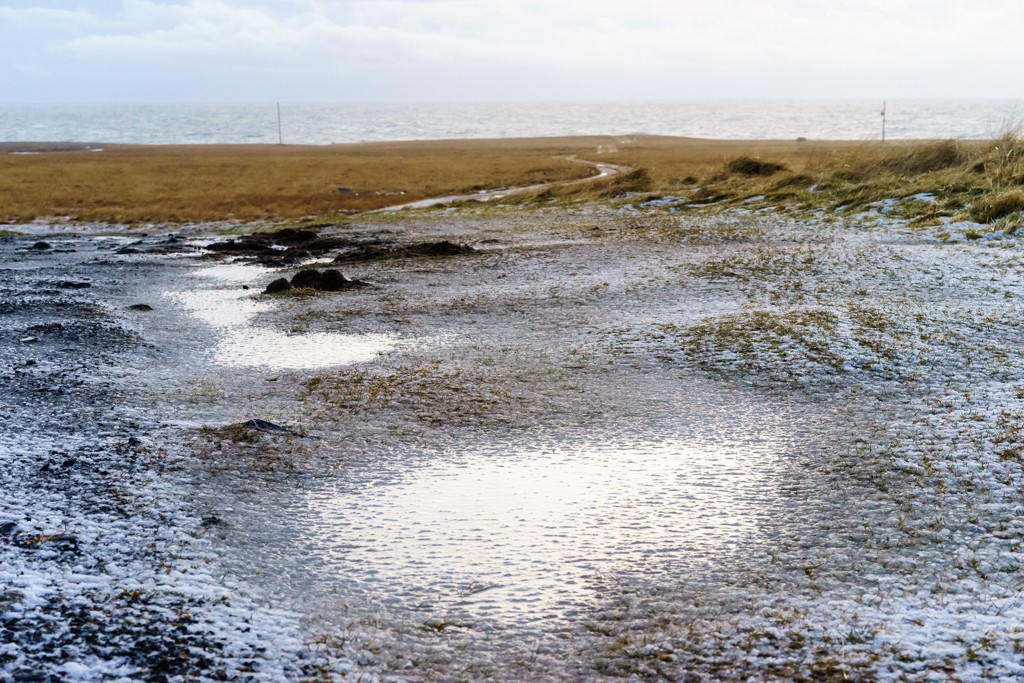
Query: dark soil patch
[379, 252]
[171, 244]
[754, 167]
[283, 247]
[329, 280]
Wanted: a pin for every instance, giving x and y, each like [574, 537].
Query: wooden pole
[280, 137]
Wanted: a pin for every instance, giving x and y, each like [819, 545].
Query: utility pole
[280, 138]
[883, 120]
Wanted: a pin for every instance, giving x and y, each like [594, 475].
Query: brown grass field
[135, 184]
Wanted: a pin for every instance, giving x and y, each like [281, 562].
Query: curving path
[604, 170]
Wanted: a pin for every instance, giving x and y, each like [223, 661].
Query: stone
[332, 280]
[376, 252]
[266, 427]
[279, 285]
[307, 279]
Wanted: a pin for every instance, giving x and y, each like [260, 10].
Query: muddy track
[604, 171]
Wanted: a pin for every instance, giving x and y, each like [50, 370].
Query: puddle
[232, 310]
[530, 536]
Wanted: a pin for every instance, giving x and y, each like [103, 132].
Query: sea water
[326, 123]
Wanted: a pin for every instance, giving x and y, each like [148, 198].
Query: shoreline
[326, 123]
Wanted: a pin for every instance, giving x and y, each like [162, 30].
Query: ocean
[326, 123]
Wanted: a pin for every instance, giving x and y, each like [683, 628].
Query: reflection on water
[232, 310]
[526, 536]
[319, 123]
[531, 532]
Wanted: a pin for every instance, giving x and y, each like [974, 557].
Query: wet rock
[266, 427]
[442, 248]
[370, 252]
[376, 252]
[264, 242]
[140, 307]
[307, 279]
[332, 280]
[281, 248]
[329, 280]
[68, 284]
[279, 285]
[41, 246]
[211, 521]
[172, 244]
[240, 247]
[293, 235]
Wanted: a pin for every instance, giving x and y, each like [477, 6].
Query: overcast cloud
[312, 50]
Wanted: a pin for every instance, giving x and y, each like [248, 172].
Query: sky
[190, 51]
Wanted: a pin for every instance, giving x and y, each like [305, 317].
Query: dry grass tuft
[637, 180]
[795, 180]
[935, 156]
[993, 207]
[748, 166]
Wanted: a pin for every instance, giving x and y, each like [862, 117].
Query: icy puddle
[515, 536]
[231, 310]
[530, 536]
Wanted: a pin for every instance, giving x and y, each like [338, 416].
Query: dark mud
[291, 246]
[280, 248]
[382, 252]
[329, 280]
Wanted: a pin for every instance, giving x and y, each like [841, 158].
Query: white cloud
[314, 49]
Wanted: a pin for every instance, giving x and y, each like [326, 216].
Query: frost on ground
[105, 575]
[898, 555]
[909, 567]
[891, 549]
